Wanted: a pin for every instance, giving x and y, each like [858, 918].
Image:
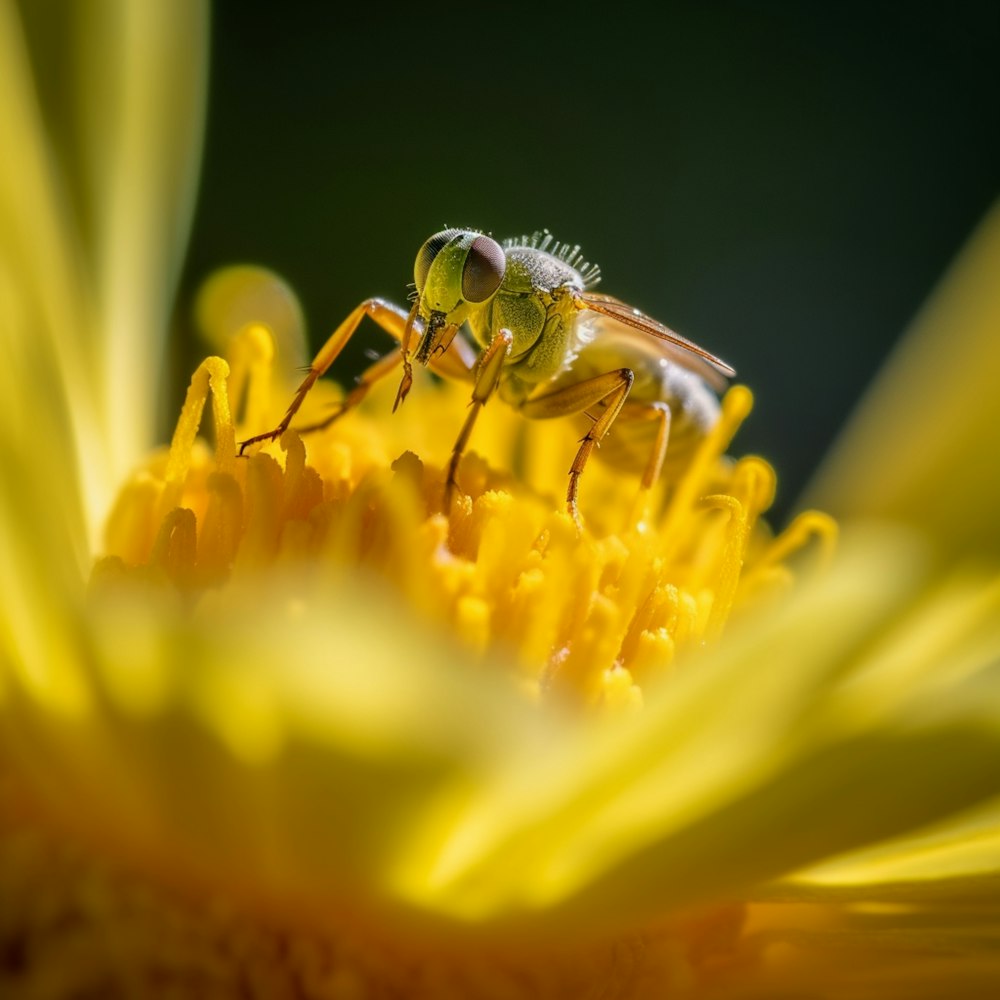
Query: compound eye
[484, 269]
[428, 252]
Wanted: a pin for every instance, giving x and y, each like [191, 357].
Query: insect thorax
[530, 269]
[534, 305]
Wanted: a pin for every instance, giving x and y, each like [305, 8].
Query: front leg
[387, 315]
[373, 373]
[398, 324]
[487, 376]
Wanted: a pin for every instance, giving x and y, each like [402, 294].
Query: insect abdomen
[694, 408]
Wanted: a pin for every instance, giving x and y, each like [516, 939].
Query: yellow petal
[140, 93]
[286, 752]
[48, 373]
[958, 858]
[94, 215]
[737, 770]
[923, 448]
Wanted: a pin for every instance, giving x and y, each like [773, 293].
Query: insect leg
[487, 376]
[611, 389]
[394, 321]
[443, 364]
[405, 340]
[382, 367]
[384, 313]
[661, 413]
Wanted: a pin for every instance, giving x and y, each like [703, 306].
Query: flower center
[594, 616]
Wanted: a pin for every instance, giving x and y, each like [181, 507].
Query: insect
[546, 343]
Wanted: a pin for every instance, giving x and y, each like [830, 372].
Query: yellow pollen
[590, 617]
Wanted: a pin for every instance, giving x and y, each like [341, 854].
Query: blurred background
[784, 183]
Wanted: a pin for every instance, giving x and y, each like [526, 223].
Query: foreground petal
[267, 747]
[47, 371]
[923, 447]
[364, 767]
[93, 219]
[956, 859]
[140, 95]
[784, 746]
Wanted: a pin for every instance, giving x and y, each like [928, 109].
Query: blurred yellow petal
[95, 288]
[951, 860]
[305, 771]
[49, 374]
[923, 448]
[140, 92]
[736, 770]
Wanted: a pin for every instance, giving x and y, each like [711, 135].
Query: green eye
[429, 251]
[484, 269]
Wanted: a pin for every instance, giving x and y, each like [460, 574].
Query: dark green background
[782, 182]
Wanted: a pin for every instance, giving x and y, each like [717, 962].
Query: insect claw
[269, 436]
[403, 391]
[246, 444]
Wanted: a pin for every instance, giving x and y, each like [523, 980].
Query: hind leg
[660, 412]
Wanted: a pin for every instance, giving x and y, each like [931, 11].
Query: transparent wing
[680, 350]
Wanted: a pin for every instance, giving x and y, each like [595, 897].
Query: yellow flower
[296, 734]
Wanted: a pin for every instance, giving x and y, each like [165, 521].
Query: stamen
[583, 618]
[736, 408]
[211, 374]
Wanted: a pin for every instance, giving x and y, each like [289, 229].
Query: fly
[546, 343]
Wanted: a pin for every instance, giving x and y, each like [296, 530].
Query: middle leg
[660, 412]
[610, 389]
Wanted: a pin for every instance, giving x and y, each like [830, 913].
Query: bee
[540, 338]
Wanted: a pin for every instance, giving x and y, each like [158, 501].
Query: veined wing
[678, 349]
